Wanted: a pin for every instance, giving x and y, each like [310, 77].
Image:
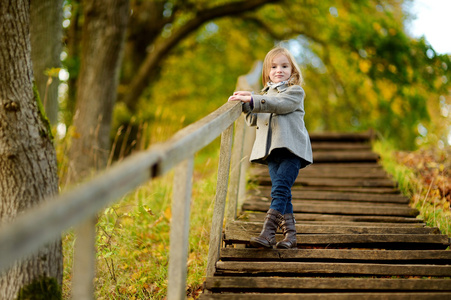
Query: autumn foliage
[432, 167]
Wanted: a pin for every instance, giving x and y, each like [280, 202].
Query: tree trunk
[28, 169]
[46, 32]
[102, 44]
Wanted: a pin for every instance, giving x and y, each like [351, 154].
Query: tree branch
[161, 49]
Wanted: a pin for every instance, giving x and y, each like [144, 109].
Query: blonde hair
[296, 75]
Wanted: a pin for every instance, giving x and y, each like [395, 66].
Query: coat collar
[280, 88]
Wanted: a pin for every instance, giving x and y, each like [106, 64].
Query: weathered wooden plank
[329, 168]
[266, 200]
[322, 217]
[325, 146]
[339, 209]
[242, 284]
[299, 194]
[85, 256]
[332, 172]
[345, 166]
[343, 182]
[365, 190]
[339, 182]
[230, 267]
[236, 175]
[343, 203]
[437, 256]
[338, 229]
[360, 224]
[332, 203]
[196, 136]
[332, 296]
[220, 199]
[46, 222]
[345, 156]
[337, 174]
[179, 235]
[439, 240]
[341, 136]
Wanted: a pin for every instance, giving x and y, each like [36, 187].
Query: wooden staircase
[357, 236]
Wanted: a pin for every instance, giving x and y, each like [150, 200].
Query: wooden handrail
[44, 223]
[40, 225]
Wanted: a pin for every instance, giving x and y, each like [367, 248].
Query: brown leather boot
[267, 237]
[289, 232]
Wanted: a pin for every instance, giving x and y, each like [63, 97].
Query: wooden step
[332, 296]
[340, 146]
[389, 241]
[265, 201]
[357, 224]
[355, 137]
[299, 194]
[346, 166]
[314, 268]
[322, 170]
[273, 284]
[339, 182]
[335, 218]
[396, 256]
[343, 208]
[355, 189]
[345, 156]
[256, 227]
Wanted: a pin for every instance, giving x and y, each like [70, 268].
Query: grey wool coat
[278, 115]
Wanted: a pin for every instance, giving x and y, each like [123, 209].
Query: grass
[421, 175]
[133, 238]
[133, 234]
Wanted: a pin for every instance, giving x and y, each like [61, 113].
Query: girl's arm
[246, 98]
[243, 96]
[251, 118]
[283, 103]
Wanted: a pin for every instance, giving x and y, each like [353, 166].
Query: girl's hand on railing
[243, 96]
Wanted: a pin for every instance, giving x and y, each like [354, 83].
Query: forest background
[117, 76]
[362, 69]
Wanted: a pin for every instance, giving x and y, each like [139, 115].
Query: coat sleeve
[282, 103]
[250, 118]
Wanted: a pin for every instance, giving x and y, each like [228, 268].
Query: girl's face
[280, 69]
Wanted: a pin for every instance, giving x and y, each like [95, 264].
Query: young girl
[282, 141]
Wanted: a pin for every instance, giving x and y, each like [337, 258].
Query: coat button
[266, 124]
[257, 128]
[263, 101]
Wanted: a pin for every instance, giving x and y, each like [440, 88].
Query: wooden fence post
[235, 172]
[84, 260]
[179, 237]
[248, 142]
[220, 199]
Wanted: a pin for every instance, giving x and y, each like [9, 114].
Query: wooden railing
[78, 208]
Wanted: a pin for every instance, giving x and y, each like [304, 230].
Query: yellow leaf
[364, 66]
[76, 135]
[168, 213]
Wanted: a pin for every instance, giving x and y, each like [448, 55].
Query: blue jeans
[283, 168]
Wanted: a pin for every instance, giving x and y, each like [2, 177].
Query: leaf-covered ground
[431, 184]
